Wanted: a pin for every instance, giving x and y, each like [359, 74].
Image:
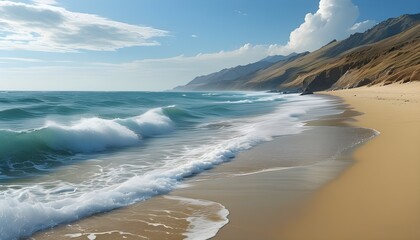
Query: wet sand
[260, 202]
[378, 197]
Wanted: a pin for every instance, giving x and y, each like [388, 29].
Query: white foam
[93, 236]
[201, 225]
[74, 235]
[210, 94]
[263, 171]
[153, 122]
[257, 98]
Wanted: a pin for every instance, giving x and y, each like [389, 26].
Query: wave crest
[152, 122]
[83, 136]
[88, 135]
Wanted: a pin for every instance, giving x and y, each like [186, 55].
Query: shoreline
[260, 203]
[261, 188]
[379, 196]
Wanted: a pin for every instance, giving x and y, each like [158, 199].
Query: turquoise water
[68, 155]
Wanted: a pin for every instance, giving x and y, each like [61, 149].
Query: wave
[153, 122]
[62, 110]
[269, 98]
[15, 113]
[27, 150]
[21, 100]
[210, 94]
[29, 100]
[87, 135]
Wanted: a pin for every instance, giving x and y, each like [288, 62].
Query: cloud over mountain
[334, 19]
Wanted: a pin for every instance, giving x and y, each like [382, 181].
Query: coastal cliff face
[384, 54]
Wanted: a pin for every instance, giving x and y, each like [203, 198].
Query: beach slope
[379, 196]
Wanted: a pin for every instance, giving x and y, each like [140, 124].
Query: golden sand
[379, 196]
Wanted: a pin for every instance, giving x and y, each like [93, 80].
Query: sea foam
[153, 122]
[204, 226]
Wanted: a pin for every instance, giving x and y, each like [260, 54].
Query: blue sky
[157, 44]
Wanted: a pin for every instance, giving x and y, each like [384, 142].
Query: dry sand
[379, 196]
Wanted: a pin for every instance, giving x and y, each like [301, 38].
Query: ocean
[65, 156]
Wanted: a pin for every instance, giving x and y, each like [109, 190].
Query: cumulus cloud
[334, 19]
[41, 26]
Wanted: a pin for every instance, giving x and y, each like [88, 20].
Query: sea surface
[65, 156]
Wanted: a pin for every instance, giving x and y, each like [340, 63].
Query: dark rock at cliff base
[306, 92]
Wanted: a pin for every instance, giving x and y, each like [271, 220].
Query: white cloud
[45, 2]
[44, 27]
[241, 13]
[194, 36]
[15, 59]
[335, 19]
[362, 26]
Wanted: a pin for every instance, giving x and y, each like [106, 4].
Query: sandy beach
[197, 120]
[379, 196]
[369, 193]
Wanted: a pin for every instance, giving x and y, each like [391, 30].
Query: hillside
[395, 59]
[230, 75]
[388, 52]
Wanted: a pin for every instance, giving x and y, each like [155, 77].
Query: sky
[153, 45]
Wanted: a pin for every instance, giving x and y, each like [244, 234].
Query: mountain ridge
[327, 68]
[233, 73]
